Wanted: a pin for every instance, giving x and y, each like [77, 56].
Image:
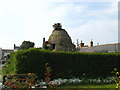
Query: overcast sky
[31, 20]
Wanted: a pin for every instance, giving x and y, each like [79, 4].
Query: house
[114, 47]
[4, 53]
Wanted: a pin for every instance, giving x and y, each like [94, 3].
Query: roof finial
[91, 43]
[81, 41]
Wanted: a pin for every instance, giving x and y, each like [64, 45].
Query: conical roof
[61, 39]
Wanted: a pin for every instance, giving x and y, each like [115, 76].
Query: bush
[64, 64]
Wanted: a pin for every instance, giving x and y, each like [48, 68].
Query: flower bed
[19, 80]
[79, 81]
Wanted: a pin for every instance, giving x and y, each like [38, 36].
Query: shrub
[64, 64]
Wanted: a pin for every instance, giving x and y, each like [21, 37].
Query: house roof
[105, 44]
[7, 50]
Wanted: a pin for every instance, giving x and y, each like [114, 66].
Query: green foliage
[117, 77]
[89, 87]
[64, 64]
[27, 45]
[10, 66]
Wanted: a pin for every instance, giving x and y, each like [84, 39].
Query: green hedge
[64, 64]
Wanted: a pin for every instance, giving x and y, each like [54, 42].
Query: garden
[66, 69]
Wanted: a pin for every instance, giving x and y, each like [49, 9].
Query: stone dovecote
[59, 40]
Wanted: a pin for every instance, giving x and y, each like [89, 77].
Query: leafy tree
[27, 45]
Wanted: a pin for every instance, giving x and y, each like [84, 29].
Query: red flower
[46, 78]
[15, 87]
[46, 73]
[29, 88]
[9, 83]
[48, 81]
[18, 79]
[49, 74]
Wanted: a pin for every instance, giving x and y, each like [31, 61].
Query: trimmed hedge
[64, 64]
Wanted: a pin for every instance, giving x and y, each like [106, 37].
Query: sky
[32, 20]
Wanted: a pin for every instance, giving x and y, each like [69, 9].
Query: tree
[27, 45]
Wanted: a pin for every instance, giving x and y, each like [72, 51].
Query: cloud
[33, 20]
[21, 20]
[102, 28]
[84, 0]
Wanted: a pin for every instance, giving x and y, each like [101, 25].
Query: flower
[56, 84]
[29, 87]
[46, 73]
[30, 83]
[46, 64]
[9, 83]
[116, 87]
[29, 73]
[15, 87]
[49, 74]
[115, 69]
[117, 73]
[46, 78]
[18, 79]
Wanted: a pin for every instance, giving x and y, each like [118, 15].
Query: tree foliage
[27, 45]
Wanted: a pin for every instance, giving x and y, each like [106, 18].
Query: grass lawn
[0, 78]
[95, 87]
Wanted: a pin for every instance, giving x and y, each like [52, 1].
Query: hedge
[64, 64]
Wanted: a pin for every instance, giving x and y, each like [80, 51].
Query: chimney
[14, 46]
[91, 43]
[43, 42]
[81, 44]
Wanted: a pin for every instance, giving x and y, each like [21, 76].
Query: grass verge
[89, 86]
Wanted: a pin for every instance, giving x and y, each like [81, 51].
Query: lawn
[95, 87]
[0, 77]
